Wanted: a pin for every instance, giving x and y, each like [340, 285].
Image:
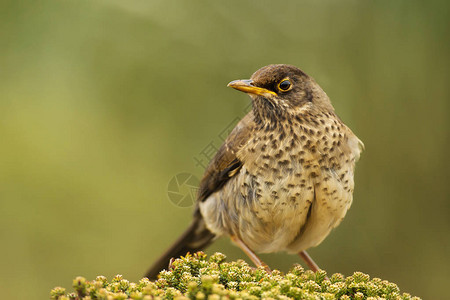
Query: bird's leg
[309, 261]
[255, 259]
[170, 267]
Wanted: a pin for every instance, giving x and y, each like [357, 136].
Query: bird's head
[281, 90]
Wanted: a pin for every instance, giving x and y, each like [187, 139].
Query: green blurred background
[103, 102]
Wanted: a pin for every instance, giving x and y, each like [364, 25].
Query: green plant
[199, 277]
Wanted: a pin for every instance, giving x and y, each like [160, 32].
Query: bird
[283, 178]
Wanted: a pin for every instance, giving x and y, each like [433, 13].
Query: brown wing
[225, 164]
[221, 168]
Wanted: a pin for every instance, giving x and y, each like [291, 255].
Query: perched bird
[283, 179]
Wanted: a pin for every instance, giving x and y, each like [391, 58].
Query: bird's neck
[268, 115]
[274, 118]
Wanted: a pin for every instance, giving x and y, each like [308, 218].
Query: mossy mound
[199, 277]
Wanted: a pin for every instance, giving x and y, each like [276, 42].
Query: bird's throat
[267, 112]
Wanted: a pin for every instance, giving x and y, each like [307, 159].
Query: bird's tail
[195, 238]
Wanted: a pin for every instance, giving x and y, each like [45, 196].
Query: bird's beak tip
[240, 83]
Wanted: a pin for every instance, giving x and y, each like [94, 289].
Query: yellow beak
[247, 86]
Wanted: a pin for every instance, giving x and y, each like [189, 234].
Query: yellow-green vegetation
[199, 277]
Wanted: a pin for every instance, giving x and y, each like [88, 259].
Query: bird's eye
[285, 85]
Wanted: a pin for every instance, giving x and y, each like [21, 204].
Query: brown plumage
[283, 178]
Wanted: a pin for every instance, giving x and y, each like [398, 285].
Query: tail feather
[195, 238]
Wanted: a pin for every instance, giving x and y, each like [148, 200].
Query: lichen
[199, 277]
